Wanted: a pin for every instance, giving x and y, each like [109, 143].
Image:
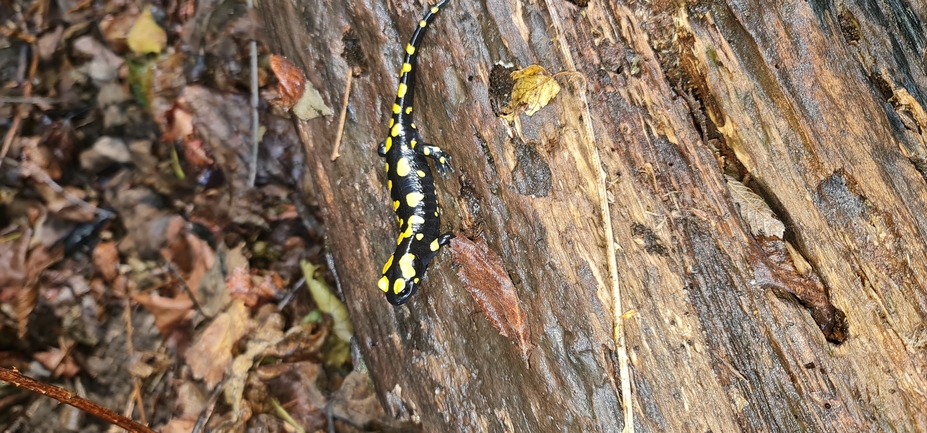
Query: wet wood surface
[651, 302]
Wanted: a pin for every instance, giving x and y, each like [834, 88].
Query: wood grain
[816, 106]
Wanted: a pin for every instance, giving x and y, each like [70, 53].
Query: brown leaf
[106, 260]
[268, 333]
[295, 386]
[58, 361]
[754, 210]
[169, 313]
[484, 277]
[777, 271]
[191, 256]
[210, 354]
[13, 253]
[292, 83]
[356, 401]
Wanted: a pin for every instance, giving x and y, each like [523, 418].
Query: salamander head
[400, 278]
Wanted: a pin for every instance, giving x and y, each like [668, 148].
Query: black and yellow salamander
[411, 184]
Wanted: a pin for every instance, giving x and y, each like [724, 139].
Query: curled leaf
[753, 209]
[328, 303]
[534, 87]
[292, 81]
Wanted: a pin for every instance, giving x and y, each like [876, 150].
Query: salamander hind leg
[441, 158]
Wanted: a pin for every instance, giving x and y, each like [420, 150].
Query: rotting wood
[814, 106]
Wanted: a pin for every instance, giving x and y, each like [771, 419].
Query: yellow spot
[434, 9]
[436, 213]
[402, 167]
[427, 151]
[419, 236]
[412, 125]
[395, 131]
[392, 122]
[396, 108]
[410, 50]
[400, 221]
[388, 143]
[389, 185]
[406, 67]
[435, 245]
[398, 285]
[422, 24]
[406, 266]
[387, 167]
[416, 280]
[407, 233]
[442, 160]
[402, 90]
[413, 143]
[389, 262]
[409, 110]
[421, 173]
[383, 284]
[395, 205]
[414, 198]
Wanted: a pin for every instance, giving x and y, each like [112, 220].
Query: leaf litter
[138, 268]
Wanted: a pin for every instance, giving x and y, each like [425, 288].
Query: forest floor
[147, 263]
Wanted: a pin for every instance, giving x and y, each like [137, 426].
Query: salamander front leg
[381, 149]
[441, 158]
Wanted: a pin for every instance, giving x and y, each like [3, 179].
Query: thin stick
[344, 114]
[15, 378]
[130, 347]
[17, 118]
[255, 119]
[618, 336]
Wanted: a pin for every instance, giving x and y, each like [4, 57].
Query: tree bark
[651, 299]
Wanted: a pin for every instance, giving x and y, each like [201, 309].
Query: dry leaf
[169, 313]
[292, 81]
[754, 210]
[534, 87]
[486, 280]
[268, 333]
[776, 271]
[311, 105]
[328, 303]
[146, 35]
[211, 353]
[106, 260]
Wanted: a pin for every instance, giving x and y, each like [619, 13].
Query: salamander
[411, 184]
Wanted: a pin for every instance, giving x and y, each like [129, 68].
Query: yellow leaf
[146, 35]
[534, 87]
[328, 303]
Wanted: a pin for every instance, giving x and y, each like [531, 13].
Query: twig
[17, 118]
[624, 372]
[73, 199]
[209, 408]
[255, 119]
[34, 100]
[15, 378]
[130, 347]
[344, 113]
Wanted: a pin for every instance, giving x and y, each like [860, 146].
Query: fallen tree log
[718, 224]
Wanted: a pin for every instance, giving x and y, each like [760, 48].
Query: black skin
[412, 186]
